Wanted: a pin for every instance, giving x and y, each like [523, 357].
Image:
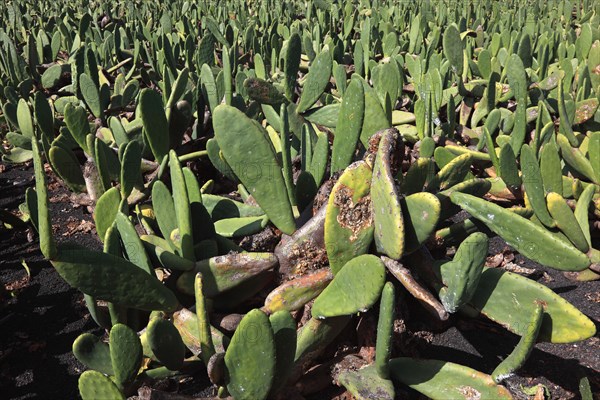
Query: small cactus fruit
[95, 386]
[348, 221]
[251, 358]
[461, 275]
[519, 355]
[355, 288]
[442, 379]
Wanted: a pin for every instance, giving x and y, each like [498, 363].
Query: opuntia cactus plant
[268, 180]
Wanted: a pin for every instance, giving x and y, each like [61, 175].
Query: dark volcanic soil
[43, 316]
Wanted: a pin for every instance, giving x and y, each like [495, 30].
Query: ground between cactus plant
[43, 316]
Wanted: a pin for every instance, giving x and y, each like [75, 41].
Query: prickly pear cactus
[251, 358]
[349, 221]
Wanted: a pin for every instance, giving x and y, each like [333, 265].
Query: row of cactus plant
[356, 131]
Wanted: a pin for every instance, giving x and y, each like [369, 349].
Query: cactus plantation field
[262, 199]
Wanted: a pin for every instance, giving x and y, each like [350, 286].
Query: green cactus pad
[529, 239]
[222, 207]
[225, 272]
[130, 168]
[92, 352]
[551, 169]
[316, 80]
[161, 249]
[349, 126]
[375, 118]
[164, 209]
[453, 48]
[421, 213]
[454, 172]
[476, 187]
[156, 126]
[24, 119]
[387, 211]
[106, 210]
[182, 207]
[251, 358]
[240, 227]
[95, 386]
[136, 253]
[187, 324]
[106, 277]
[125, 353]
[349, 222]
[292, 63]
[416, 176]
[517, 79]
[166, 343]
[67, 166]
[284, 334]
[355, 288]
[44, 115]
[443, 380]
[294, 294]
[47, 244]
[581, 211]
[77, 123]
[366, 383]
[576, 160]
[509, 170]
[385, 330]
[207, 349]
[566, 221]
[91, 95]
[534, 186]
[247, 150]
[594, 152]
[461, 275]
[519, 355]
[499, 291]
[314, 336]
